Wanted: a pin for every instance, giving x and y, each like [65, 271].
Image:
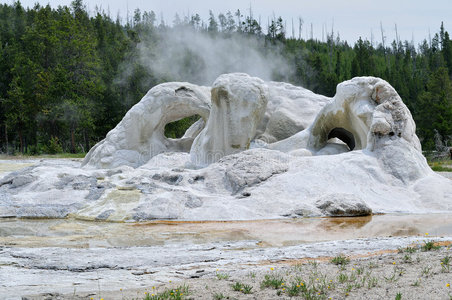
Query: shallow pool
[268, 233]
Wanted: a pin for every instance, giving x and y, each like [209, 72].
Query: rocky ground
[414, 272]
[266, 259]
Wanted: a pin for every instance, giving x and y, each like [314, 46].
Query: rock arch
[140, 134]
[368, 108]
[344, 135]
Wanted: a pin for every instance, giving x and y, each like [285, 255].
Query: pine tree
[435, 108]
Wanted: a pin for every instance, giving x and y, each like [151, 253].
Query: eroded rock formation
[140, 134]
[238, 105]
[244, 110]
[281, 151]
[365, 112]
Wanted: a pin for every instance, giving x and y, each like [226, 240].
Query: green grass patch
[240, 287]
[178, 293]
[58, 155]
[437, 168]
[429, 246]
[219, 296]
[272, 280]
[340, 260]
[445, 264]
[222, 276]
[441, 166]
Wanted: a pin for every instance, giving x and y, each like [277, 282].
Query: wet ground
[269, 233]
[56, 257]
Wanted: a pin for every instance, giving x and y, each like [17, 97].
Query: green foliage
[221, 276]
[340, 260]
[445, 264]
[218, 296]
[410, 249]
[440, 168]
[237, 286]
[272, 280]
[178, 293]
[176, 129]
[247, 289]
[61, 71]
[306, 292]
[429, 245]
[54, 146]
[240, 287]
[435, 107]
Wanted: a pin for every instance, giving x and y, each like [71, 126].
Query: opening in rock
[177, 129]
[344, 135]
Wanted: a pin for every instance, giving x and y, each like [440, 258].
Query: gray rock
[95, 193]
[172, 179]
[158, 209]
[22, 180]
[343, 205]
[17, 179]
[64, 181]
[105, 214]
[80, 182]
[193, 202]
[195, 179]
[45, 211]
[251, 169]
[84, 183]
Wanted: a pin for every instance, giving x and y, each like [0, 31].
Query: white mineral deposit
[352, 155]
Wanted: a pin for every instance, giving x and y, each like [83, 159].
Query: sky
[351, 18]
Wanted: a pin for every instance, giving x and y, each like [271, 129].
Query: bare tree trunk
[21, 141]
[312, 32]
[383, 37]
[397, 35]
[85, 137]
[6, 138]
[300, 25]
[72, 140]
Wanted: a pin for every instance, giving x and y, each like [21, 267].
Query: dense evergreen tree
[61, 83]
[435, 107]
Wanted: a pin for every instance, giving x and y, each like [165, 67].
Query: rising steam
[184, 54]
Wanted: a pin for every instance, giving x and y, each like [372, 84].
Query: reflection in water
[350, 223]
[266, 233]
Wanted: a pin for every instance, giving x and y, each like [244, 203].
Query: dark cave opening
[344, 135]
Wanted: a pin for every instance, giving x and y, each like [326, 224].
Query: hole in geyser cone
[344, 135]
[177, 129]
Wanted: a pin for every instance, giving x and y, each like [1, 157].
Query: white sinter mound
[267, 150]
[140, 134]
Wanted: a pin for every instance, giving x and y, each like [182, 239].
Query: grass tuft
[272, 280]
[178, 293]
[430, 245]
[240, 287]
[340, 260]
